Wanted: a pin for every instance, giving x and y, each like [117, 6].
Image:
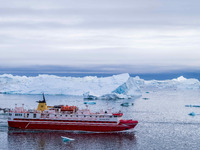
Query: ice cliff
[113, 87]
[116, 86]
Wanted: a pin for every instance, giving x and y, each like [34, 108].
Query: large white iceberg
[179, 83]
[120, 86]
[92, 87]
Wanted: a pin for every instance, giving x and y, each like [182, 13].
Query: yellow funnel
[42, 105]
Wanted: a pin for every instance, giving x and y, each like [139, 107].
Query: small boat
[66, 139]
[69, 108]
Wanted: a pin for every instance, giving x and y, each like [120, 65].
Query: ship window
[90, 116]
[60, 115]
[34, 115]
[76, 115]
[17, 114]
[115, 116]
[55, 115]
[27, 115]
[65, 115]
[84, 116]
[10, 114]
[96, 116]
[70, 115]
[110, 116]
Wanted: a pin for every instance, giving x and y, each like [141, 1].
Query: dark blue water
[164, 124]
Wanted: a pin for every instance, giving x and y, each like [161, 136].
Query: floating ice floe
[90, 103]
[192, 105]
[193, 114]
[66, 139]
[126, 104]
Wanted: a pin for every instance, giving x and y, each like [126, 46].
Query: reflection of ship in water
[26, 139]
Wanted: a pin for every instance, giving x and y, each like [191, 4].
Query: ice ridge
[179, 83]
[112, 87]
[51, 84]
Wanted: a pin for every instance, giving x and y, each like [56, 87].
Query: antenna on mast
[44, 98]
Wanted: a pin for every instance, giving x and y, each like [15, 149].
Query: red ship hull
[52, 125]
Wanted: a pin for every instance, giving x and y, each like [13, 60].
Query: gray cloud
[163, 34]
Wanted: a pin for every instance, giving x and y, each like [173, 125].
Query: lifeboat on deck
[69, 108]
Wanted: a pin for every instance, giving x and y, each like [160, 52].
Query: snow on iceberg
[128, 89]
[179, 83]
[50, 84]
[113, 87]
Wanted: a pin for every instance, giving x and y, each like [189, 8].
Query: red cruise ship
[68, 118]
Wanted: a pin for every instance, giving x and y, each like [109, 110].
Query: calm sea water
[164, 123]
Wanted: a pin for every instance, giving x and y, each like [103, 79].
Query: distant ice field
[111, 87]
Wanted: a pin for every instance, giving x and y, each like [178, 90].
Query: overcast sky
[135, 36]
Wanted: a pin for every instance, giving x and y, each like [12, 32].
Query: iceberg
[128, 89]
[126, 104]
[192, 105]
[90, 87]
[113, 87]
[90, 103]
[66, 139]
[193, 114]
[179, 83]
